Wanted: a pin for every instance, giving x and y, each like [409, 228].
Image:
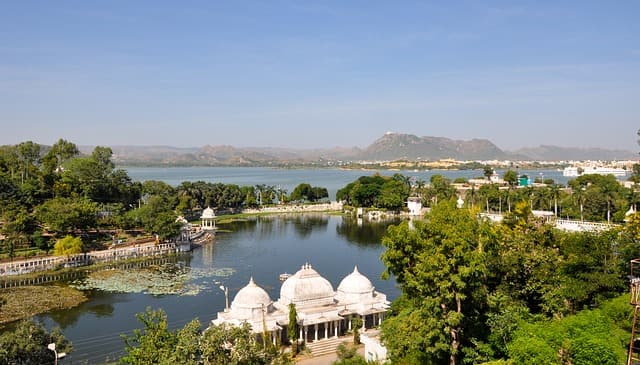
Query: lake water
[263, 247]
[332, 179]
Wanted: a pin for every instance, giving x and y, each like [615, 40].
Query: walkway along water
[29, 266]
[45, 277]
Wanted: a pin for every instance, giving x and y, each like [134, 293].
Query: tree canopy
[476, 292]
[27, 344]
[68, 245]
[376, 191]
[224, 344]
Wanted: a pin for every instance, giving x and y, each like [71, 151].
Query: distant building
[414, 204]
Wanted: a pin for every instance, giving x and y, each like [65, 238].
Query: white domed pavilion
[208, 219]
[322, 312]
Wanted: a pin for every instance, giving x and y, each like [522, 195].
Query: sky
[320, 74]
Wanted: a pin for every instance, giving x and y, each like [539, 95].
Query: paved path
[325, 359]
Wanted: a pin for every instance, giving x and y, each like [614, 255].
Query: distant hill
[391, 146]
[555, 153]
[394, 146]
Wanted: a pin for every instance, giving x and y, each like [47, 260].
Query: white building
[208, 219]
[322, 312]
[414, 204]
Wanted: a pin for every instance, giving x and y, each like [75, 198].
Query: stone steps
[327, 346]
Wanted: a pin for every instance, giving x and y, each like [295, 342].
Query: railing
[10, 281]
[572, 225]
[41, 264]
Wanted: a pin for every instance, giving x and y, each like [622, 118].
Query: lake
[262, 247]
[332, 179]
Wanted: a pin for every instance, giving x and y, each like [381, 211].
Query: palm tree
[555, 193]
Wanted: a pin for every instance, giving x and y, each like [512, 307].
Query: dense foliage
[588, 197]
[376, 191]
[157, 344]
[474, 292]
[27, 344]
[47, 193]
[306, 192]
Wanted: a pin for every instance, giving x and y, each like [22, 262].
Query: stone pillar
[349, 322]
[335, 328]
[306, 334]
[380, 318]
[315, 332]
[300, 330]
[325, 329]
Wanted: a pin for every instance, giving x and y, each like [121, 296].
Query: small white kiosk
[208, 220]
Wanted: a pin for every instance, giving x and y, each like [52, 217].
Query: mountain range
[391, 146]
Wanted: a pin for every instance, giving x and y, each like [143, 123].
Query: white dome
[305, 288]
[208, 213]
[355, 283]
[250, 301]
[354, 288]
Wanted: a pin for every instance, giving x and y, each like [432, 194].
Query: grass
[28, 301]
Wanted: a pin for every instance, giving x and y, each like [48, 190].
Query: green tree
[292, 330]
[440, 266]
[27, 344]
[227, 344]
[157, 216]
[67, 214]
[156, 344]
[302, 192]
[348, 355]
[29, 157]
[596, 336]
[440, 189]
[511, 178]
[635, 173]
[60, 152]
[68, 245]
[356, 324]
[393, 195]
[487, 171]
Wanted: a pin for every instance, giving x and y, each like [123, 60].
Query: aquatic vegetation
[165, 279]
[28, 301]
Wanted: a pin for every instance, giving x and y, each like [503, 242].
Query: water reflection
[100, 304]
[208, 250]
[304, 225]
[367, 233]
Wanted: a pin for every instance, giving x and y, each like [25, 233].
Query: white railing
[48, 263]
[573, 225]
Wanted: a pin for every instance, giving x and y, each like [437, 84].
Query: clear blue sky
[309, 74]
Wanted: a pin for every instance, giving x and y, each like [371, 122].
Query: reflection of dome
[306, 287]
[354, 288]
[250, 301]
[208, 213]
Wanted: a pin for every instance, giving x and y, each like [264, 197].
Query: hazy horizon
[309, 75]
